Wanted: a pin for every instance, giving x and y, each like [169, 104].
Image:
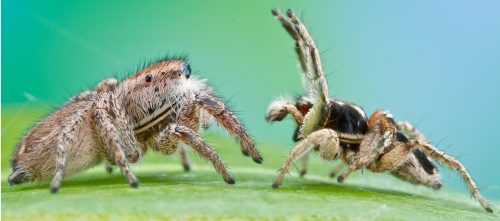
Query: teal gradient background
[434, 63]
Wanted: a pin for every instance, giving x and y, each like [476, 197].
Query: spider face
[151, 94]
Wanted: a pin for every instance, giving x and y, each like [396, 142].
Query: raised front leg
[175, 132]
[111, 136]
[310, 62]
[214, 106]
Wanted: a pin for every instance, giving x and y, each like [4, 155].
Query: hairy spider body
[341, 130]
[350, 123]
[159, 106]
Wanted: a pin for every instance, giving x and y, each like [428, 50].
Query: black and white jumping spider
[338, 129]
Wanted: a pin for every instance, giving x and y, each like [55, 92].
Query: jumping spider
[338, 129]
[159, 106]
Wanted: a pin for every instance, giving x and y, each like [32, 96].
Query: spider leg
[170, 146]
[309, 57]
[280, 108]
[454, 164]
[67, 136]
[104, 85]
[184, 158]
[111, 136]
[109, 168]
[277, 111]
[244, 150]
[417, 168]
[302, 53]
[376, 142]
[132, 149]
[229, 121]
[303, 164]
[205, 119]
[175, 132]
[410, 130]
[327, 141]
[83, 96]
[318, 78]
[393, 158]
[337, 169]
[441, 157]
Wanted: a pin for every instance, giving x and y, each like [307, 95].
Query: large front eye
[149, 78]
[186, 69]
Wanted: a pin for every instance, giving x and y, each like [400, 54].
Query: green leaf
[167, 192]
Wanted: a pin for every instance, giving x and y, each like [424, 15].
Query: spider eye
[186, 70]
[149, 78]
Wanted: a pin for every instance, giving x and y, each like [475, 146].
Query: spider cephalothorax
[159, 106]
[341, 130]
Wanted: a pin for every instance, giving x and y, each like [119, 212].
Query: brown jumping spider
[159, 106]
[337, 129]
